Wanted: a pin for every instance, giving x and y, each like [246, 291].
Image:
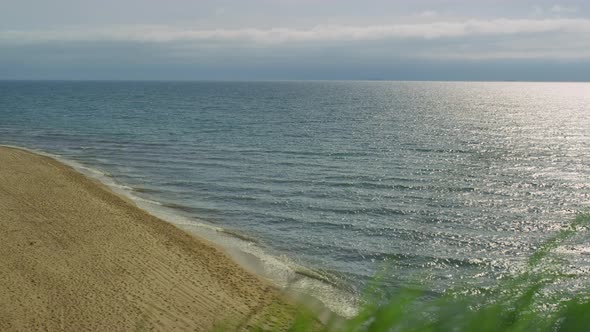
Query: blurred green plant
[516, 304]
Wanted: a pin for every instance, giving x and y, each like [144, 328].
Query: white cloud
[562, 9]
[428, 13]
[550, 38]
[320, 33]
[538, 11]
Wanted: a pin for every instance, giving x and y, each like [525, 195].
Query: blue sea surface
[453, 181]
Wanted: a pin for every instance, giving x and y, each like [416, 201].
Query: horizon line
[281, 80]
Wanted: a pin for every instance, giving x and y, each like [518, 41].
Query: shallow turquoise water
[447, 180]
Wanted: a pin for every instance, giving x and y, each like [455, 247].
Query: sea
[326, 186]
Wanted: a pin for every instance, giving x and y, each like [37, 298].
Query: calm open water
[445, 180]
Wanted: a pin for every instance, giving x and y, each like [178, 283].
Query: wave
[146, 190]
[281, 270]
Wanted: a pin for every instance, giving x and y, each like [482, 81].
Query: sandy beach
[75, 256]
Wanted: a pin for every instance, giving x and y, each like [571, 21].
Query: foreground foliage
[516, 304]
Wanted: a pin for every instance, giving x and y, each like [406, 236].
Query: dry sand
[76, 257]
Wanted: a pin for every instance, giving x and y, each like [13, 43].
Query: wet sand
[75, 256]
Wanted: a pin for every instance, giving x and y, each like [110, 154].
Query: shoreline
[121, 267]
[318, 290]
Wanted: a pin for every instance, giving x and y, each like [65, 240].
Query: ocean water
[452, 181]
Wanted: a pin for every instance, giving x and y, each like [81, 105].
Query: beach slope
[75, 256]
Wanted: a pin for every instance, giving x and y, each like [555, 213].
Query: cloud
[476, 39]
[538, 11]
[428, 13]
[555, 10]
[317, 34]
[562, 9]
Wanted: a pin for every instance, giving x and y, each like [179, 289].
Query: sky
[481, 40]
